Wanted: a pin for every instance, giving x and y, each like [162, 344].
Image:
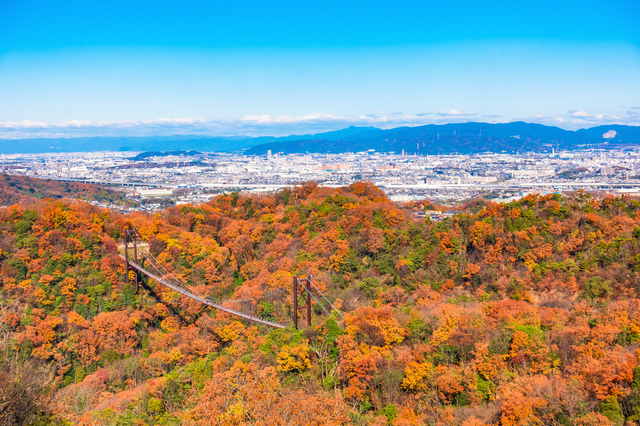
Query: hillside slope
[16, 189]
[517, 313]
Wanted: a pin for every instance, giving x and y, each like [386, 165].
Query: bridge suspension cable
[270, 308]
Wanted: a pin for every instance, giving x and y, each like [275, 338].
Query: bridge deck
[201, 299]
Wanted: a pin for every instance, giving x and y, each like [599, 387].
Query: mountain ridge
[462, 138]
[471, 137]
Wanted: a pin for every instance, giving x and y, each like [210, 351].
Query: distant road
[174, 185]
[506, 185]
[423, 186]
[105, 182]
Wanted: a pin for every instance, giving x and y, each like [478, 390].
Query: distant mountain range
[430, 139]
[158, 143]
[461, 138]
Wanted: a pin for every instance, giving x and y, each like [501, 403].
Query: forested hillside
[24, 189]
[511, 314]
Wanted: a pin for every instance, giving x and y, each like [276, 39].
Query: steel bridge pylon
[129, 269]
[297, 285]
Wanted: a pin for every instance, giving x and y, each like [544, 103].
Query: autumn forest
[525, 313]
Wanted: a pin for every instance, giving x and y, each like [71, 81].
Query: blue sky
[78, 68]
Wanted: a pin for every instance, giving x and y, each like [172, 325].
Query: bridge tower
[305, 290]
[136, 278]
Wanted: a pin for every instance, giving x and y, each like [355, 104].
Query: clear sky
[76, 68]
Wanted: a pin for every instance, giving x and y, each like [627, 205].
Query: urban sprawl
[445, 179]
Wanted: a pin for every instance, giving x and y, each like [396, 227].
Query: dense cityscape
[197, 177]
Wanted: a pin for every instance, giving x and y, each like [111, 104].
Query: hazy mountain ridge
[428, 139]
[461, 138]
[147, 143]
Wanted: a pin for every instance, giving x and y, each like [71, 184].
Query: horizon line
[195, 128]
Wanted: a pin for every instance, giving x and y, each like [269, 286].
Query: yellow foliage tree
[230, 332]
[294, 358]
[416, 376]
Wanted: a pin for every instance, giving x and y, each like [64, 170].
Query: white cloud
[580, 114]
[26, 124]
[284, 119]
[175, 121]
[578, 119]
[258, 118]
[250, 125]
[455, 113]
[587, 116]
[260, 125]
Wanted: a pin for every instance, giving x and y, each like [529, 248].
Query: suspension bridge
[277, 308]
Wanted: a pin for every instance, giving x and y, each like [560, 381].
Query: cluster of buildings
[442, 179]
